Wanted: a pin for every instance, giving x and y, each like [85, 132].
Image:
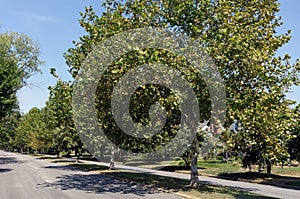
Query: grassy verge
[288, 177]
[181, 186]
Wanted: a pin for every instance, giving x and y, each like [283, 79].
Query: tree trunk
[269, 167]
[77, 154]
[102, 152]
[112, 158]
[194, 167]
[187, 163]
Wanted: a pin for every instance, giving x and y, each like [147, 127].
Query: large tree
[19, 60]
[240, 35]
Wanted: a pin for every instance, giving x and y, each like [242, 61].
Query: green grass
[211, 167]
[181, 186]
[292, 171]
[217, 167]
[288, 177]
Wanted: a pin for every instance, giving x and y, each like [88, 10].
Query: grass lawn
[207, 167]
[288, 177]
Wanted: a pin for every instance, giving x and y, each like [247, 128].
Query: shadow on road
[10, 160]
[78, 167]
[97, 183]
[5, 170]
[63, 167]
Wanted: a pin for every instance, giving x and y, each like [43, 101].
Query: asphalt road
[23, 176]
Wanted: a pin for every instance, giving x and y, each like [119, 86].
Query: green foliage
[60, 119]
[8, 126]
[10, 83]
[23, 51]
[18, 60]
[294, 143]
[32, 133]
[111, 22]
[241, 37]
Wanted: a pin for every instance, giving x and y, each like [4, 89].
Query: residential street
[23, 176]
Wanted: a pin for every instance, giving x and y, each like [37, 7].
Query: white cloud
[42, 18]
[36, 17]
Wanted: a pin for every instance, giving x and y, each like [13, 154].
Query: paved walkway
[266, 190]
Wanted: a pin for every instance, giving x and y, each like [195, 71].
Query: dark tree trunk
[77, 154]
[194, 167]
[269, 167]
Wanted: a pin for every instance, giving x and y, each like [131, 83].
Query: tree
[32, 134]
[9, 85]
[294, 143]
[8, 127]
[241, 37]
[60, 118]
[23, 51]
[108, 24]
[19, 60]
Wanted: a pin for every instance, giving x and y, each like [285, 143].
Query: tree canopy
[19, 59]
[242, 38]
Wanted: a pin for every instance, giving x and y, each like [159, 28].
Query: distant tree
[59, 107]
[8, 127]
[32, 134]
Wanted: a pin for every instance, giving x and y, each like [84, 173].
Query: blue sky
[54, 24]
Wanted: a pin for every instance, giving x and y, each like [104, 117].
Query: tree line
[242, 38]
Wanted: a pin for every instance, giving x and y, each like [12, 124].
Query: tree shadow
[64, 161]
[10, 160]
[63, 167]
[78, 167]
[177, 185]
[46, 158]
[5, 170]
[97, 183]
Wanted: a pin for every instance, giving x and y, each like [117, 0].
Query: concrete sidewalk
[266, 190]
